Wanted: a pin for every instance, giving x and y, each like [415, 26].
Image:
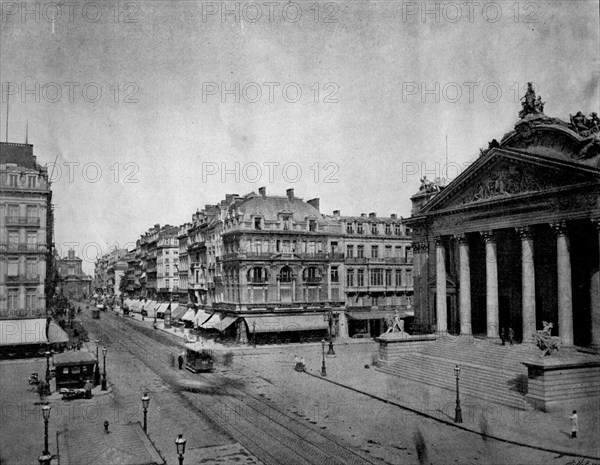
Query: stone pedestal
[394, 345]
[555, 383]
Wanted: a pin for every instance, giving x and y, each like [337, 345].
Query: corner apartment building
[26, 233]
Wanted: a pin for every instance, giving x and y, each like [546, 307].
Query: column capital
[524, 232]
[559, 228]
[488, 236]
[462, 238]
[424, 246]
[439, 240]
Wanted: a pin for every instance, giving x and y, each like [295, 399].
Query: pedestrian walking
[503, 336]
[180, 361]
[574, 424]
[302, 364]
[511, 335]
[88, 389]
[297, 365]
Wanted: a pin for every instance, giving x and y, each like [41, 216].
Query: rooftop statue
[545, 341]
[431, 186]
[531, 104]
[585, 126]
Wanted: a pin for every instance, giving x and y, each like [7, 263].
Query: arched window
[285, 275]
[257, 275]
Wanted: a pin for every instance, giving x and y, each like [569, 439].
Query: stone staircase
[488, 371]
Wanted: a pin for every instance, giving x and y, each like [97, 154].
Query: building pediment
[502, 174]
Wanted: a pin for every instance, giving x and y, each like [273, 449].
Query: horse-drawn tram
[198, 359]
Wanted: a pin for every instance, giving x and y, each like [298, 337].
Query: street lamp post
[145, 403]
[329, 317]
[104, 350]
[323, 369]
[458, 411]
[180, 444]
[97, 370]
[254, 333]
[45, 458]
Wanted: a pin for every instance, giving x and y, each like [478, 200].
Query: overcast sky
[382, 83]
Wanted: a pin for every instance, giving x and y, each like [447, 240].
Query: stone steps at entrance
[489, 371]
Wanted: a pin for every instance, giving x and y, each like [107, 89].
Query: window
[31, 269]
[257, 223]
[31, 300]
[374, 251]
[286, 223]
[311, 275]
[167, 282]
[409, 254]
[334, 247]
[13, 237]
[335, 278]
[12, 180]
[349, 228]
[388, 229]
[350, 251]
[398, 277]
[312, 225]
[376, 277]
[388, 251]
[359, 228]
[360, 277]
[31, 182]
[31, 212]
[360, 251]
[285, 275]
[13, 211]
[13, 299]
[408, 276]
[350, 277]
[13, 267]
[374, 229]
[388, 277]
[257, 275]
[398, 229]
[399, 251]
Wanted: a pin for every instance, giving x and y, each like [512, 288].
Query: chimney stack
[394, 216]
[336, 213]
[263, 192]
[363, 215]
[372, 215]
[290, 194]
[314, 202]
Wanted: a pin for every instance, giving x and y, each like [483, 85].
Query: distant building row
[272, 265]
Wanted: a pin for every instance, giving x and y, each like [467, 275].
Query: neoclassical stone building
[514, 240]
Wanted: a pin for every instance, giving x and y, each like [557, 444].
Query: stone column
[565, 292]
[491, 284]
[528, 283]
[465, 286]
[440, 286]
[595, 295]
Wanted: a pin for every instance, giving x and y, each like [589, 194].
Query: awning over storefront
[135, 306]
[162, 308]
[31, 331]
[218, 321]
[179, 312]
[225, 323]
[284, 323]
[189, 315]
[201, 317]
[372, 315]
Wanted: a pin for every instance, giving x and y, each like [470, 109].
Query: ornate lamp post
[145, 403]
[329, 317]
[254, 333]
[97, 371]
[104, 350]
[458, 411]
[180, 444]
[323, 369]
[45, 458]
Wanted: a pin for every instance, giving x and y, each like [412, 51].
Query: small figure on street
[180, 361]
[88, 389]
[302, 364]
[574, 424]
[503, 336]
[297, 364]
[511, 335]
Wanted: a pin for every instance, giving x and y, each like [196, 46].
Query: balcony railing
[25, 248]
[22, 221]
[23, 279]
[312, 280]
[284, 255]
[258, 281]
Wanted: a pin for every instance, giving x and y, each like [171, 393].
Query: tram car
[198, 360]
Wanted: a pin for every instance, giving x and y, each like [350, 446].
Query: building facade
[109, 270]
[73, 282]
[26, 233]
[513, 241]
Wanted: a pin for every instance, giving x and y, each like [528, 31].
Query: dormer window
[31, 182]
[359, 228]
[388, 229]
[12, 180]
[312, 225]
[287, 223]
[398, 230]
[374, 228]
[258, 223]
[349, 228]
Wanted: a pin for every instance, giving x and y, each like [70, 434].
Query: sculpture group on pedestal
[545, 342]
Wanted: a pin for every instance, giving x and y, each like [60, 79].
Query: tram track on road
[270, 433]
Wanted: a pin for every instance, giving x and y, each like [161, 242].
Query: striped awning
[179, 312]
